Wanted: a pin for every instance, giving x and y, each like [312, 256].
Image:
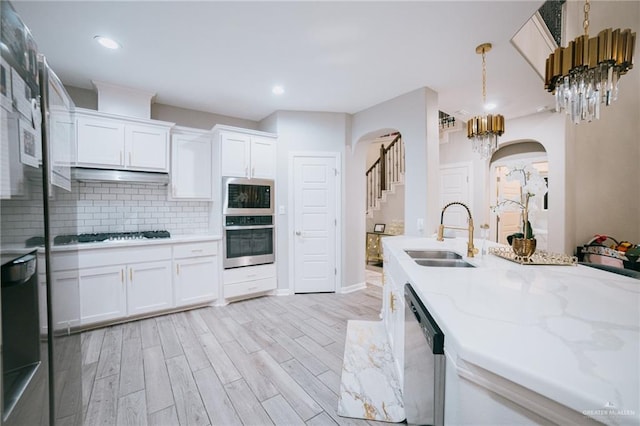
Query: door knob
[298, 233]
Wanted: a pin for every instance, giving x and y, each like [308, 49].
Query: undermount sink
[444, 263]
[433, 254]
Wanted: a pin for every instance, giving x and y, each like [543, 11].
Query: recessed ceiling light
[277, 90]
[489, 106]
[107, 42]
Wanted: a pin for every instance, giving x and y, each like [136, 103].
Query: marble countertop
[138, 242]
[569, 333]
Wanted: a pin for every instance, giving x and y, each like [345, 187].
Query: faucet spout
[471, 250]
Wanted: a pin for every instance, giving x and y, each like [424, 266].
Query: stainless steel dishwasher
[424, 364]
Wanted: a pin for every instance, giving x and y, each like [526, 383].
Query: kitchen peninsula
[523, 343]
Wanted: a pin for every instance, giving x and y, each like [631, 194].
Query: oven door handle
[239, 228]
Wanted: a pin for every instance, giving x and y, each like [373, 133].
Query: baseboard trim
[353, 287]
[281, 292]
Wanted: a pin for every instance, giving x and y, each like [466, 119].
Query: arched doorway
[384, 186]
[508, 222]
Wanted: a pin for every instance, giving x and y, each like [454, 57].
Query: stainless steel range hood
[121, 176]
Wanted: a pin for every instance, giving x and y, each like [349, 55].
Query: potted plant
[531, 184]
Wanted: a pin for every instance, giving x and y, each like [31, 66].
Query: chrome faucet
[471, 250]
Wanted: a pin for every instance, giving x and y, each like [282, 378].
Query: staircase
[385, 173]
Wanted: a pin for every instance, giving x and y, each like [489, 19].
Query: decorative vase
[524, 248]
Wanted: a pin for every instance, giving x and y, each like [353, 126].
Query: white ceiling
[224, 57]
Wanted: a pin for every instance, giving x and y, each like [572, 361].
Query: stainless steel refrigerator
[41, 364]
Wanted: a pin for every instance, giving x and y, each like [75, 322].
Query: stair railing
[388, 169]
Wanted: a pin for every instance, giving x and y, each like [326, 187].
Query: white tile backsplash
[93, 207]
[128, 207]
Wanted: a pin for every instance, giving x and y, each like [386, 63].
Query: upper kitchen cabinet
[246, 153]
[191, 164]
[109, 141]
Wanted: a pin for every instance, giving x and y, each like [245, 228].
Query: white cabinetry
[149, 287]
[196, 273]
[102, 294]
[245, 153]
[393, 312]
[66, 295]
[191, 164]
[114, 142]
[239, 282]
[263, 156]
[111, 283]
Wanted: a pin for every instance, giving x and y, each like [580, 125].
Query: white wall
[86, 98]
[606, 153]
[197, 119]
[415, 116]
[298, 132]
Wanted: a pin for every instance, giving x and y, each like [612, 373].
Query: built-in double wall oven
[248, 222]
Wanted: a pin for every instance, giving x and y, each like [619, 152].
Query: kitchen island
[523, 343]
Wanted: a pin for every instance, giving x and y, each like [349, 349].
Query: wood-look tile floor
[268, 360]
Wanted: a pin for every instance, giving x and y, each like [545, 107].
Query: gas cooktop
[109, 236]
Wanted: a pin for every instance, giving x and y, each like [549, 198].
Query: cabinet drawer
[98, 257]
[180, 251]
[249, 273]
[249, 287]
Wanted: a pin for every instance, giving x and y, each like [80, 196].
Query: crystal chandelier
[585, 74]
[484, 130]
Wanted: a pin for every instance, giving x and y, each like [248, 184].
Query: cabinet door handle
[131, 274]
[392, 302]
[196, 251]
[122, 275]
[130, 157]
[246, 171]
[253, 171]
[121, 162]
[178, 269]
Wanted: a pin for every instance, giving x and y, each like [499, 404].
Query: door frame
[469, 166]
[291, 206]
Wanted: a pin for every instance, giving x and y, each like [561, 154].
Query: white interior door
[315, 223]
[455, 185]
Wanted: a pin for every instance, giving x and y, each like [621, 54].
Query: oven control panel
[248, 220]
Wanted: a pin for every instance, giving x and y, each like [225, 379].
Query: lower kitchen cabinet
[112, 284]
[240, 282]
[195, 278]
[66, 293]
[102, 294]
[149, 287]
[114, 292]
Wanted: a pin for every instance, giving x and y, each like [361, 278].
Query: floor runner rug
[369, 388]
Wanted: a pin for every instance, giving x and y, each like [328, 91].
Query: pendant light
[585, 74]
[483, 130]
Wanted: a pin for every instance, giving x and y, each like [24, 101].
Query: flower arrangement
[531, 184]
